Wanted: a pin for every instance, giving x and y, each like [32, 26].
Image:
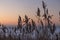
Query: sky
[11, 9]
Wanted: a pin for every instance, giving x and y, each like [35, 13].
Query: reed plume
[19, 22]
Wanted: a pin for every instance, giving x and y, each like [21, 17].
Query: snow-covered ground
[57, 29]
[15, 32]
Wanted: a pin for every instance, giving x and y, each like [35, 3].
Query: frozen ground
[15, 33]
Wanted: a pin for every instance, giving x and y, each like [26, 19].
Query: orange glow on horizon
[7, 20]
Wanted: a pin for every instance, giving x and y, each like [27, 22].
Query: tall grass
[19, 22]
[31, 27]
[59, 16]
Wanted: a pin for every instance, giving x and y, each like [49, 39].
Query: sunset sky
[11, 9]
